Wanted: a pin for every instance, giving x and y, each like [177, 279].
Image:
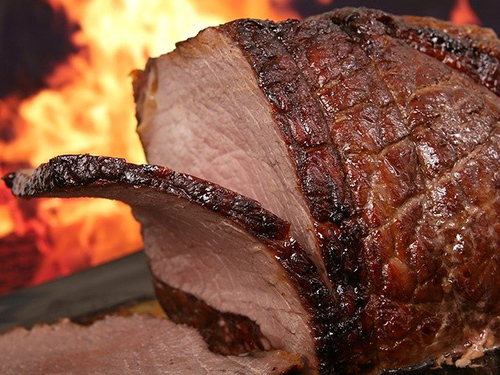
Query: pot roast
[372, 146]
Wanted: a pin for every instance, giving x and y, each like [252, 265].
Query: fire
[463, 14]
[87, 106]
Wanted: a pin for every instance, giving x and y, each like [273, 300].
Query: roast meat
[381, 133]
[372, 144]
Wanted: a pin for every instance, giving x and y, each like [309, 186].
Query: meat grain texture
[131, 345]
[372, 145]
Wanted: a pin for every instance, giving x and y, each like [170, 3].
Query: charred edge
[225, 333]
[66, 172]
[9, 179]
[481, 67]
[235, 334]
[282, 83]
[342, 251]
[320, 167]
[241, 334]
[463, 55]
[297, 114]
[324, 310]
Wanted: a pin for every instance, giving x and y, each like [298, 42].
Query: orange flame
[463, 14]
[88, 107]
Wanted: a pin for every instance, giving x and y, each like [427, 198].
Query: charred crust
[269, 48]
[225, 333]
[300, 117]
[297, 114]
[342, 246]
[461, 54]
[342, 249]
[457, 49]
[66, 172]
[9, 179]
[323, 309]
[305, 132]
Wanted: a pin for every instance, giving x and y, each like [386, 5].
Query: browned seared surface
[127, 345]
[225, 333]
[206, 241]
[212, 136]
[470, 49]
[388, 128]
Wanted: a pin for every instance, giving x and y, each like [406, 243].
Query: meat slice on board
[377, 137]
[228, 263]
[127, 345]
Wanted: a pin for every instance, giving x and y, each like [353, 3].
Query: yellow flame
[88, 108]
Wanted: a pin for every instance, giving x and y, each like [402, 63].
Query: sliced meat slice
[218, 246]
[127, 345]
[201, 111]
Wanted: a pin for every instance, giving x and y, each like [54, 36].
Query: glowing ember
[87, 106]
[463, 14]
